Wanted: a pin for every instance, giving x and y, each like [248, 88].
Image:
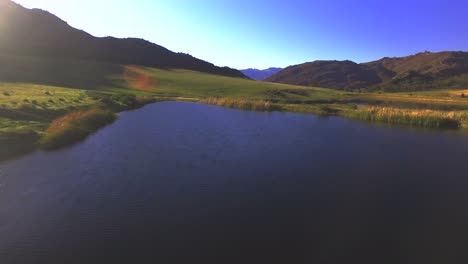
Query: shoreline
[30, 142]
[22, 144]
[402, 116]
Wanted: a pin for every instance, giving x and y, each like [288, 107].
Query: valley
[30, 101]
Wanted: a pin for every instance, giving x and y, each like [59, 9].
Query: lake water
[189, 183]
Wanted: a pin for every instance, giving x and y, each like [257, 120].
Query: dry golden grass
[459, 93]
[75, 126]
[240, 103]
[412, 117]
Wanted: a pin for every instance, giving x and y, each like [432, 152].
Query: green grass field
[199, 85]
[14, 96]
[26, 106]
[33, 93]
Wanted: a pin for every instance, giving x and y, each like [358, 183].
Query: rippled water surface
[190, 183]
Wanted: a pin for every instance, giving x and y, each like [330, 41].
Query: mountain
[422, 71]
[34, 32]
[259, 75]
[331, 74]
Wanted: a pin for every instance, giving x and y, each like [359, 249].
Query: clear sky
[261, 34]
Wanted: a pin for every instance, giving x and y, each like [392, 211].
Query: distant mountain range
[426, 70]
[259, 75]
[38, 33]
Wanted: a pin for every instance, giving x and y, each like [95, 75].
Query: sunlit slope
[174, 83]
[183, 83]
[17, 95]
[186, 83]
[33, 91]
[91, 75]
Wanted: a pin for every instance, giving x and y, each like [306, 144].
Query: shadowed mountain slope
[426, 70]
[34, 32]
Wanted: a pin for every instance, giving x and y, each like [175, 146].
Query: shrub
[48, 93]
[353, 106]
[6, 93]
[121, 102]
[27, 108]
[326, 110]
[124, 99]
[463, 95]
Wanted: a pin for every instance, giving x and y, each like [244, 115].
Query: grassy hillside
[59, 72]
[199, 85]
[35, 92]
[132, 79]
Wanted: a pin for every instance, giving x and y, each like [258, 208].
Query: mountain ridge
[425, 70]
[36, 32]
[259, 75]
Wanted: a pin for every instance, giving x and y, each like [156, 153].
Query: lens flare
[139, 78]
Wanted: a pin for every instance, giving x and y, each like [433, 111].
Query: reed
[412, 117]
[241, 103]
[74, 127]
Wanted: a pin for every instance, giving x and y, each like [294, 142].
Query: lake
[181, 182]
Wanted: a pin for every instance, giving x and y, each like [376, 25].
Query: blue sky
[260, 34]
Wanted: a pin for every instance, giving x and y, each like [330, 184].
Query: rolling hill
[34, 32]
[260, 75]
[422, 71]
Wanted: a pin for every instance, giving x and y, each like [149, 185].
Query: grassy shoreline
[242, 104]
[424, 118]
[78, 125]
[29, 127]
[74, 127]
[27, 110]
[409, 117]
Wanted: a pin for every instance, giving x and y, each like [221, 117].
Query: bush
[463, 95]
[325, 110]
[6, 93]
[125, 99]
